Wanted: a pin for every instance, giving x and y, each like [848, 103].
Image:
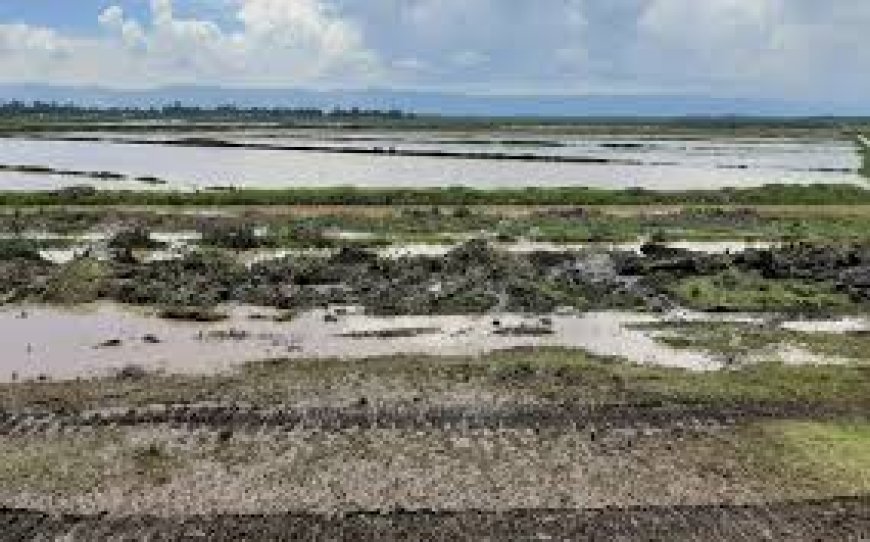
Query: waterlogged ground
[198, 161]
[538, 442]
[77, 248]
[564, 379]
[106, 338]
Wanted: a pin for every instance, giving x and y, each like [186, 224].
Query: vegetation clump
[192, 314]
[19, 249]
[136, 238]
[739, 291]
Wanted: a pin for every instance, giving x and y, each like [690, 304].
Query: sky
[789, 49]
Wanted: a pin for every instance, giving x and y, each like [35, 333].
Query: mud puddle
[100, 339]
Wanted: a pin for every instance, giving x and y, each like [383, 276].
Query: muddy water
[839, 326]
[201, 167]
[100, 339]
[181, 243]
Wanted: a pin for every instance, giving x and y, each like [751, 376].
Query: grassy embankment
[316, 225]
[550, 375]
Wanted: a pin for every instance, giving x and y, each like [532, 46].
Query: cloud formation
[277, 42]
[790, 48]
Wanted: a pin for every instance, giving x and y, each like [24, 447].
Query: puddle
[60, 256]
[722, 247]
[789, 354]
[103, 338]
[181, 243]
[840, 326]
[526, 247]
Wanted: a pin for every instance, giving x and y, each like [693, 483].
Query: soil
[842, 519]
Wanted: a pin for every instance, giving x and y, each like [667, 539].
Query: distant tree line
[39, 110]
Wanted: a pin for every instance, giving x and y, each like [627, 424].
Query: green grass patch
[739, 291]
[80, 281]
[773, 194]
[19, 249]
[864, 151]
[549, 374]
[61, 463]
[832, 455]
[740, 340]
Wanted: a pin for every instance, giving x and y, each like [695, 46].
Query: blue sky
[791, 49]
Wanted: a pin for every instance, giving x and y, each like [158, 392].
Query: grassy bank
[667, 440]
[549, 375]
[820, 194]
[740, 340]
[379, 225]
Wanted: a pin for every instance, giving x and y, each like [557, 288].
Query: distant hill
[439, 103]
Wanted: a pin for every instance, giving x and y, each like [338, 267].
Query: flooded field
[79, 247]
[548, 370]
[105, 338]
[294, 160]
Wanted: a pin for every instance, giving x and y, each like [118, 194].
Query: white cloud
[789, 48]
[730, 37]
[16, 38]
[784, 47]
[277, 42]
[112, 18]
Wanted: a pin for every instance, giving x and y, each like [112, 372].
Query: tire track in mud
[640, 417]
[842, 519]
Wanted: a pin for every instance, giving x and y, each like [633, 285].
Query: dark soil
[653, 415]
[840, 519]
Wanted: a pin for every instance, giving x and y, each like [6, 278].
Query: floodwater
[100, 339]
[664, 165]
[182, 243]
[839, 326]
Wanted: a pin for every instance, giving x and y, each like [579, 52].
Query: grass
[56, 462]
[76, 464]
[739, 291]
[152, 462]
[79, 281]
[739, 340]
[773, 194]
[320, 226]
[192, 314]
[13, 249]
[548, 374]
[831, 455]
[864, 151]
